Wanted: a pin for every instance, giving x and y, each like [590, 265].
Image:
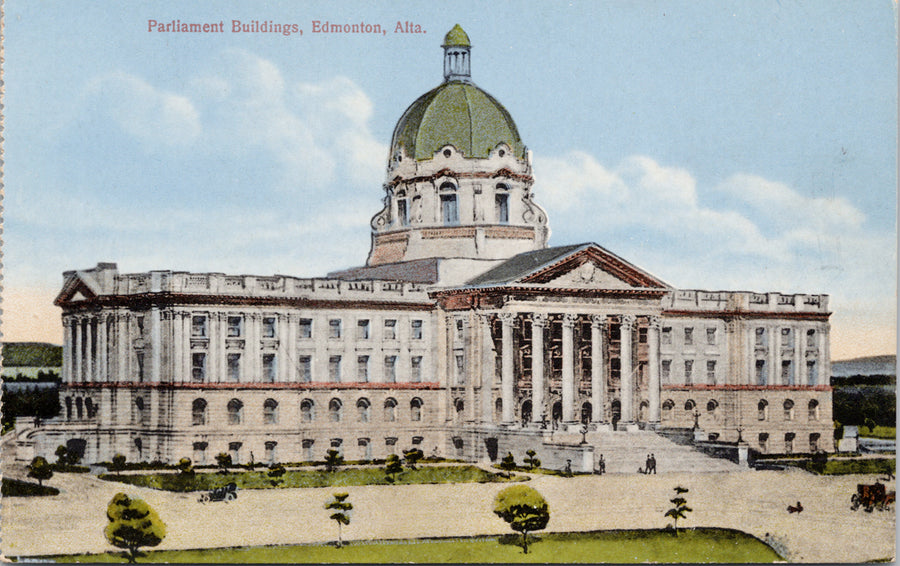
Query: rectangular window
[642, 335]
[268, 367]
[666, 371]
[416, 330]
[460, 369]
[812, 375]
[761, 376]
[334, 328]
[761, 337]
[711, 336]
[688, 336]
[334, 369]
[140, 325]
[362, 369]
[390, 369]
[198, 326]
[502, 201]
[390, 329]
[416, 369]
[140, 366]
[615, 369]
[787, 338]
[234, 367]
[810, 338]
[460, 329]
[198, 367]
[787, 372]
[269, 327]
[711, 372]
[449, 211]
[402, 214]
[666, 337]
[362, 330]
[305, 328]
[234, 326]
[688, 372]
[305, 369]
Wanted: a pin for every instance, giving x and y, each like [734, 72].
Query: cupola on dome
[456, 113]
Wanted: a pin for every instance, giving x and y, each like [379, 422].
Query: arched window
[307, 411]
[362, 408]
[501, 203]
[763, 442]
[235, 412]
[668, 405]
[689, 405]
[762, 409]
[198, 412]
[390, 410]
[711, 406]
[334, 410]
[68, 408]
[788, 410]
[79, 407]
[270, 411]
[449, 208]
[89, 408]
[498, 410]
[140, 409]
[789, 442]
[460, 407]
[813, 410]
[415, 409]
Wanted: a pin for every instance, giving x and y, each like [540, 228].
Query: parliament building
[463, 335]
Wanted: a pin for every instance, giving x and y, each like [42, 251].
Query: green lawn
[17, 488]
[859, 466]
[311, 478]
[694, 545]
[887, 432]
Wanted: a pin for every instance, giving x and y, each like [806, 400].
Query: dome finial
[457, 55]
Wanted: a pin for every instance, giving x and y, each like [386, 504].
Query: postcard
[527, 281]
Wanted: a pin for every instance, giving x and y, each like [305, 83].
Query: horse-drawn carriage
[872, 496]
[226, 494]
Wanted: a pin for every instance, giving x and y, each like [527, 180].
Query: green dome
[456, 37]
[459, 114]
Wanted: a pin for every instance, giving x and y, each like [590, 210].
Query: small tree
[223, 460]
[185, 466]
[333, 460]
[62, 455]
[508, 464]
[870, 424]
[680, 509]
[524, 509]
[40, 469]
[276, 471]
[133, 524]
[412, 457]
[118, 463]
[342, 508]
[392, 467]
[531, 461]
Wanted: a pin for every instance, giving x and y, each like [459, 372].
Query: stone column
[598, 370]
[627, 385]
[538, 324]
[176, 365]
[824, 365]
[155, 345]
[123, 346]
[290, 352]
[281, 360]
[68, 350]
[251, 356]
[568, 367]
[800, 377]
[470, 342]
[78, 368]
[488, 370]
[102, 348]
[653, 363]
[88, 350]
[507, 384]
[186, 330]
[775, 355]
[448, 378]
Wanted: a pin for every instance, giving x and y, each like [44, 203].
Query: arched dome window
[788, 410]
[689, 405]
[307, 411]
[415, 409]
[813, 409]
[449, 206]
[390, 410]
[501, 203]
[270, 411]
[198, 412]
[334, 410]
[402, 208]
[762, 409]
[362, 408]
[235, 412]
[460, 406]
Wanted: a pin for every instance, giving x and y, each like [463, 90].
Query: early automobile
[226, 494]
[872, 496]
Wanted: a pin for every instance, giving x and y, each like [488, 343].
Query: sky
[718, 145]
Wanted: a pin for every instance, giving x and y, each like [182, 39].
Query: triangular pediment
[589, 274]
[76, 288]
[593, 267]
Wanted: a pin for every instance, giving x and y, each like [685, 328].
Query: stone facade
[463, 332]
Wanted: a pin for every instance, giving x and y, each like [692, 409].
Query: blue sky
[718, 145]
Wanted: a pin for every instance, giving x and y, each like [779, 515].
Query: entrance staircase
[626, 451]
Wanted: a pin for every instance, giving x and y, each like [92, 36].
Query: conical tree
[133, 524]
[524, 509]
[342, 508]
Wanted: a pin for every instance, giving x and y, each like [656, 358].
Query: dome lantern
[457, 55]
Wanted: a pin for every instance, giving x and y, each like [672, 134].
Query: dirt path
[754, 502]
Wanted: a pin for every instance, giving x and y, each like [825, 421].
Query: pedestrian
[652, 463]
[568, 470]
[647, 465]
[601, 466]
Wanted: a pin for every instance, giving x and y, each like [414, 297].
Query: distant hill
[24, 354]
[873, 365]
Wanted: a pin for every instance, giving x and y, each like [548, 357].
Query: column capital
[539, 319]
[68, 321]
[628, 321]
[655, 322]
[598, 321]
[569, 319]
[507, 318]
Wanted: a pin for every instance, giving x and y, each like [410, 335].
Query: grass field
[17, 488]
[887, 432]
[860, 466]
[311, 478]
[692, 545]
